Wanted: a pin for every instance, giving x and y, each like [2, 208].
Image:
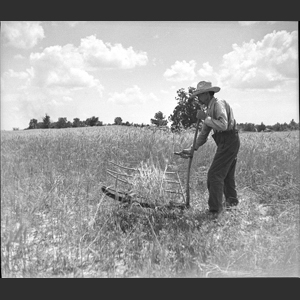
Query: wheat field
[56, 222]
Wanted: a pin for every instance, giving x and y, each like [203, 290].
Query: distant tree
[99, 123]
[276, 127]
[159, 119]
[118, 120]
[91, 121]
[61, 123]
[46, 121]
[40, 125]
[249, 127]
[284, 127]
[76, 122]
[293, 125]
[53, 125]
[33, 124]
[261, 127]
[69, 124]
[240, 126]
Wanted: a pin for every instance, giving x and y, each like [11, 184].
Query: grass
[56, 222]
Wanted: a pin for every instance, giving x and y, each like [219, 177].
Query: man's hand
[185, 153]
[201, 114]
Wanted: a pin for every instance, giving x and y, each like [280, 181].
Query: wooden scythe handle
[189, 166]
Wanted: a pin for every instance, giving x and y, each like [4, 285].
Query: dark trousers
[220, 176]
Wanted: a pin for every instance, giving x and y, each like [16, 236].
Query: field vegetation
[56, 222]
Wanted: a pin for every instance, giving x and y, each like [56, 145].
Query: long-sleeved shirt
[219, 118]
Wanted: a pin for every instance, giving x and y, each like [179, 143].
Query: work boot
[214, 215]
[231, 203]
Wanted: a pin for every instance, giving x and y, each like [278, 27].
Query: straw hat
[204, 86]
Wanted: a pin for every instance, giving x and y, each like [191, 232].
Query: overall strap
[228, 111]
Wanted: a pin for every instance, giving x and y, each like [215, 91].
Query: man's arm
[221, 121]
[202, 137]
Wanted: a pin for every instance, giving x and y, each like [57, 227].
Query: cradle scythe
[183, 155]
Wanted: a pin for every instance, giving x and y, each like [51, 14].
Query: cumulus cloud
[131, 96]
[22, 34]
[99, 54]
[61, 67]
[20, 75]
[59, 70]
[206, 71]
[263, 64]
[181, 71]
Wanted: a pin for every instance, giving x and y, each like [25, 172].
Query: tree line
[158, 120]
[183, 117]
[62, 122]
[262, 127]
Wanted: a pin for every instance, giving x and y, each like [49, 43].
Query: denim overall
[220, 176]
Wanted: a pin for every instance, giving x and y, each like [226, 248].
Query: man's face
[203, 98]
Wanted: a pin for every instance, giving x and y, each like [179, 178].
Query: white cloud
[181, 71]
[264, 64]
[67, 99]
[20, 75]
[99, 54]
[22, 34]
[131, 96]
[56, 103]
[206, 71]
[61, 67]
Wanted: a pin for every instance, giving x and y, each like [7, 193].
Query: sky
[133, 69]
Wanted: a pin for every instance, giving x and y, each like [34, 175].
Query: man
[220, 177]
